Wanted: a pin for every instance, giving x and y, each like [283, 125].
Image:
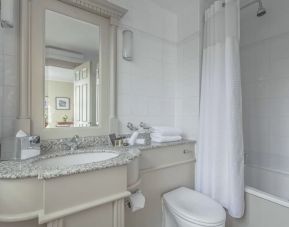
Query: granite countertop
[30, 168]
[167, 144]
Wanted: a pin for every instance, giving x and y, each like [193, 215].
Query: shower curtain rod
[246, 5]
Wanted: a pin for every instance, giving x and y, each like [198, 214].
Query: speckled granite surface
[158, 145]
[84, 143]
[30, 168]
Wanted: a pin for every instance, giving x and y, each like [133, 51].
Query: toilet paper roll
[137, 201]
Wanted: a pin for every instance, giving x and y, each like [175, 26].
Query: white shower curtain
[220, 159]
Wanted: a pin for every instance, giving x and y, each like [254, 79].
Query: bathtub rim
[264, 195]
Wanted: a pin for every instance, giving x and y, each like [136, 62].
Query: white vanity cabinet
[161, 170]
[95, 198]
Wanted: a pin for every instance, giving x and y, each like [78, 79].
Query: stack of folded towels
[165, 134]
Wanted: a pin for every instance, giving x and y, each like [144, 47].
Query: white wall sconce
[7, 13]
[127, 45]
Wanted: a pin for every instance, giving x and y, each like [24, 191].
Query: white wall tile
[1, 102]
[8, 127]
[188, 79]
[10, 70]
[10, 103]
[2, 74]
[124, 104]
[9, 78]
[147, 80]
[170, 52]
[1, 40]
[279, 146]
[265, 81]
[279, 106]
[279, 47]
[146, 85]
[148, 17]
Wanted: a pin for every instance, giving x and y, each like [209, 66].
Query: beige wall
[55, 89]
[261, 213]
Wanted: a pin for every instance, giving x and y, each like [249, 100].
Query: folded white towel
[167, 131]
[156, 137]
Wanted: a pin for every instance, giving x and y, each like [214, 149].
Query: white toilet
[184, 207]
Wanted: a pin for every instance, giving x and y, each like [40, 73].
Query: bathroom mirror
[72, 77]
[68, 67]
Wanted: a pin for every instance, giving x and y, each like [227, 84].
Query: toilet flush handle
[186, 151]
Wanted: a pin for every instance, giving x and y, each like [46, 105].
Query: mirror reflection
[72, 80]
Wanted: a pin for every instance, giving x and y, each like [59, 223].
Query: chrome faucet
[72, 144]
[145, 126]
[34, 141]
[131, 127]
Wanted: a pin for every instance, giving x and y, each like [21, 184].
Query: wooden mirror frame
[26, 121]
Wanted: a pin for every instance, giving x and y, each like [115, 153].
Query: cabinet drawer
[154, 158]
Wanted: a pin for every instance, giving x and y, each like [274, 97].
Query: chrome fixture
[144, 126]
[147, 130]
[131, 127]
[72, 144]
[127, 45]
[261, 10]
[34, 140]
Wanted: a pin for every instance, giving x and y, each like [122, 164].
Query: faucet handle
[144, 126]
[75, 139]
[131, 126]
[34, 139]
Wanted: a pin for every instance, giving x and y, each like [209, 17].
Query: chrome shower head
[261, 10]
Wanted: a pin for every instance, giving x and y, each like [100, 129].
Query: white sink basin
[76, 159]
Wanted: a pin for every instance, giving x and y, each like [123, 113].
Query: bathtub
[266, 196]
[270, 183]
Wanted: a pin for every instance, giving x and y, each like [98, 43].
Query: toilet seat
[194, 207]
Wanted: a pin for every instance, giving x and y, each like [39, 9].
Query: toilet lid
[194, 207]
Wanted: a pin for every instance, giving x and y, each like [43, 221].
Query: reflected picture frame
[62, 103]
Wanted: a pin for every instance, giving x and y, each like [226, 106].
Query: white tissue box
[29, 153]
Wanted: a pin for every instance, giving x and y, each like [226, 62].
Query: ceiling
[59, 74]
[71, 34]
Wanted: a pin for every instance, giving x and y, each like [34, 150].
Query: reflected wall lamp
[7, 13]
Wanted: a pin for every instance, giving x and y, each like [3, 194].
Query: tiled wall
[8, 79]
[146, 85]
[189, 62]
[161, 85]
[265, 82]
